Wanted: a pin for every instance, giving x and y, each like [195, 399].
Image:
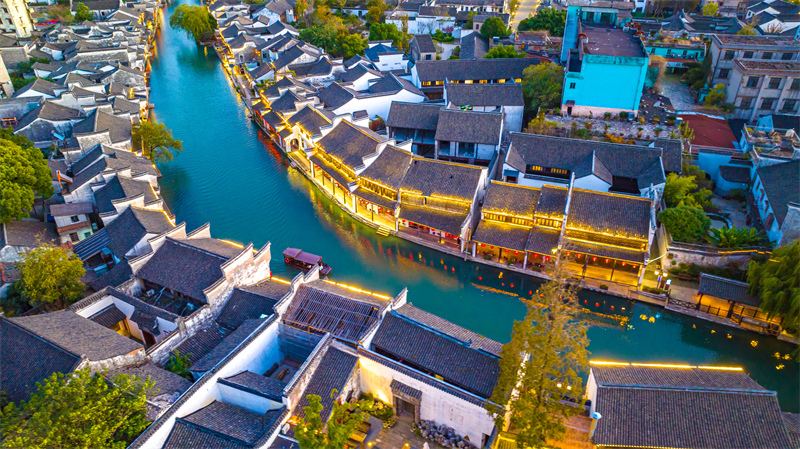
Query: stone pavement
[400, 436]
[524, 9]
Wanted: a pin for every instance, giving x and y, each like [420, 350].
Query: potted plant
[603, 287]
[640, 131]
[624, 116]
[658, 131]
[607, 116]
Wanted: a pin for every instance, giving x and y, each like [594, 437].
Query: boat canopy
[301, 256]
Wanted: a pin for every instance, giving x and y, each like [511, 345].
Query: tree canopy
[685, 223]
[541, 86]
[777, 283]
[549, 19]
[552, 342]
[155, 141]
[194, 19]
[682, 190]
[51, 275]
[338, 43]
[503, 51]
[343, 421]
[386, 32]
[494, 26]
[710, 9]
[23, 175]
[748, 30]
[77, 410]
[83, 13]
[179, 364]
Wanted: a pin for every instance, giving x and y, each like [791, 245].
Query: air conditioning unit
[150, 293]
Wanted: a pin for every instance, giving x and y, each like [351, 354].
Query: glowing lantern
[594, 259]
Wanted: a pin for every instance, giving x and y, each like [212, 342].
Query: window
[768, 103]
[752, 81]
[789, 105]
[729, 55]
[426, 83]
[723, 73]
[86, 235]
[748, 55]
[74, 219]
[427, 57]
[775, 83]
[73, 236]
[766, 55]
[795, 84]
[787, 56]
[747, 103]
[571, 85]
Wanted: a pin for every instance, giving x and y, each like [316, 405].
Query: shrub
[685, 223]
[603, 287]
[623, 116]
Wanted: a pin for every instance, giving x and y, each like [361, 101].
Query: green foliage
[556, 342]
[320, 35]
[683, 190]
[748, 30]
[685, 223]
[23, 175]
[155, 141]
[777, 282]
[350, 45]
[343, 421]
[27, 67]
[503, 51]
[549, 19]
[710, 9]
[456, 54]
[540, 125]
[51, 275]
[78, 410]
[179, 364]
[469, 24]
[375, 9]
[716, 98]
[735, 238]
[541, 86]
[83, 13]
[492, 27]
[300, 9]
[440, 36]
[195, 20]
[697, 76]
[386, 32]
[731, 271]
[337, 43]
[379, 409]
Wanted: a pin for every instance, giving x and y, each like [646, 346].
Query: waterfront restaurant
[376, 196]
[730, 299]
[608, 235]
[438, 201]
[337, 157]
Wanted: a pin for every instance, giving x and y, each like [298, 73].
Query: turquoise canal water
[231, 176]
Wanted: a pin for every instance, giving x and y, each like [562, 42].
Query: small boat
[305, 261]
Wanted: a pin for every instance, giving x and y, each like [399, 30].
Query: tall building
[15, 18]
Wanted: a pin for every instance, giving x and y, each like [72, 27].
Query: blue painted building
[678, 54]
[606, 61]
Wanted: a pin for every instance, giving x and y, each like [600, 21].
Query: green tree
[23, 175]
[502, 52]
[77, 410]
[469, 24]
[541, 86]
[683, 191]
[155, 141]
[735, 238]
[350, 45]
[747, 30]
[51, 275]
[300, 9]
[195, 20]
[540, 125]
[374, 14]
[179, 364]
[549, 19]
[685, 131]
[541, 364]
[344, 419]
[710, 9]
[494, 26]
[321, 36]
[777, 282]
[83, 13]
[385, 32]
[685, 223]
[456, 53]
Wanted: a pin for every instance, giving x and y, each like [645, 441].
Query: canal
[231, 176]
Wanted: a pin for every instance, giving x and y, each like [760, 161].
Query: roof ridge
[443, 334]
[45, 339]
[617, 195]
[177, 242]
[211, 431]
[688, 388]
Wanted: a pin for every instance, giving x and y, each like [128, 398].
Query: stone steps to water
[383, 231]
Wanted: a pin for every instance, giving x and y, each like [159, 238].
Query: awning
[503, 235]
[449, 222]
[606, 251]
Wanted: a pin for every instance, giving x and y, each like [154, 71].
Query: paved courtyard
[679, 94]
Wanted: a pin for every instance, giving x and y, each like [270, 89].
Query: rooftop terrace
[607, 41]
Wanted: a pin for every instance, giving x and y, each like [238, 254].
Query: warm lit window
[518, 80]
[483, 81]
[426, 83]
[467, 81]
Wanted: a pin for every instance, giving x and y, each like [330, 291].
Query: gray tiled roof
[251, 302]
[735, 173]
[673, 377]
[424, 43]
[504, 235]
[183, 268]
[133, 224]
[119, 188]
[220, 425]
[349, 143]
[114, 277]
[437, 178]
[201, 343]
[320, 67]
[671, 154]
[542, 240]
[727, 289]
[414, 115]
[450, 222]
[257, 384]
[396, 385]
[512, 199]
[372, 197]
[552, 201]
[335, 95]
[119, 128]
[478, 69]
[456, 125]
[585, 157]
[473, 339]
[612, 252]
[166, 382]
[357, 71]
[718, 419]
[310, 119]
[65, 210]
[782, 184]
[506, 94]
[78, 335]
[27, 233]
[473, 370]
[227, 345]
[286, 103]
[473, 47]
[622, 215]
[26, 358]
[389, 168]
[108, 317]
[333, 372]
